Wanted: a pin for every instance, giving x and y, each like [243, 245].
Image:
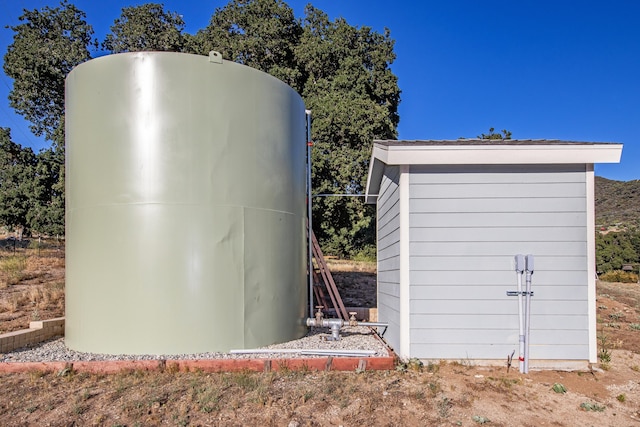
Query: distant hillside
[617, 202]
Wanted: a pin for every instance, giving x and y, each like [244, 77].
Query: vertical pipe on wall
[309, 228]
[519, 270]
[529, 272]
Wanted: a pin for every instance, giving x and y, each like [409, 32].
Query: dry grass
[14, 302]
[32, 284]
[37, 297]
[53, 294]
[12, 269]
[341, 265]
[42, 296]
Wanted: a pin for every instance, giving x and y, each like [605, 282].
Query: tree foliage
[46, 213]
[615, 249]
[261, 34]
[17, 165]
[147, 27]
[617, 206]
[47, 44]
[31, 187]
[354, 97]
[504, 134]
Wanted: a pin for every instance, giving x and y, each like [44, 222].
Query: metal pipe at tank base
[336, 324]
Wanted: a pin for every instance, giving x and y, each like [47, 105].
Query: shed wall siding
[466, 225]
[388, 230]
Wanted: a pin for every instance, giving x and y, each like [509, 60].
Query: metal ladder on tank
[322, 279]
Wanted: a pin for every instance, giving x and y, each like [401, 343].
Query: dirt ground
[441, 394]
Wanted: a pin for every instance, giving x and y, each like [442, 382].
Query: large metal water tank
[185, 206]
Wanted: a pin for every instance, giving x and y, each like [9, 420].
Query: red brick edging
[208, 365]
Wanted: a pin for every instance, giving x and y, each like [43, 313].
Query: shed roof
[483, 152]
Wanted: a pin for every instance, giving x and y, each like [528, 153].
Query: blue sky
[560, 69]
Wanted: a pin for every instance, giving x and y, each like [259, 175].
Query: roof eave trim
[376, 168]
[484, 155]
[499, 154]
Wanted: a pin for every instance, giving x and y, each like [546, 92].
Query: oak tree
[147, 27]
[47, 44]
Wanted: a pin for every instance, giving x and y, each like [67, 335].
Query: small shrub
[434, 387]
[616, 316]
[635, 326]
[604, 354]
[418, 395]
[465, 363]
[621, 398]
[559, 388]
[619, 276]
[208, 398]
[308, 395]
[415, 364]
[246, 380]
[480, 419]
[592, 406]
[367, 254]
[444, 407]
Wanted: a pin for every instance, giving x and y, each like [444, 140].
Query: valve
[352, 318]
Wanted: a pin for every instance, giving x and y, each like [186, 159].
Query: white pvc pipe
[308, 352]
[262, 350]
[529, 272]
[521, 337]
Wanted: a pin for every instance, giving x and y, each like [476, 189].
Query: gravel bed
[352, 338]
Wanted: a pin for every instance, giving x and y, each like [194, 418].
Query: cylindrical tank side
[185, 206]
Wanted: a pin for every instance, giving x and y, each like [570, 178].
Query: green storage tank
[185, 206]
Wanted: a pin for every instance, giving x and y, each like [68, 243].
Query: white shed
[452, 215]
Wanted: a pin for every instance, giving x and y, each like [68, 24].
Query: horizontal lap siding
[469, 322]
[466, 225]
[447, 262]
[388, 230]
[489, 351]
